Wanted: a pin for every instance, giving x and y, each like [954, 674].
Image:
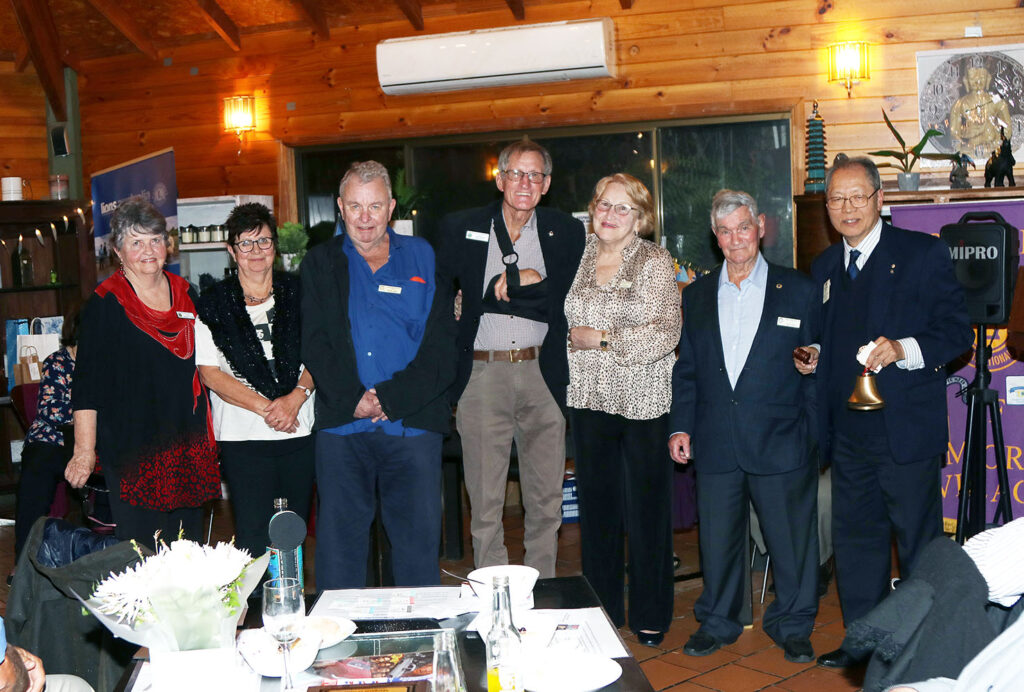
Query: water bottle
[287, 531]
[504, 646]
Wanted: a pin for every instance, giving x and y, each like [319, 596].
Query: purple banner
[1005, 366]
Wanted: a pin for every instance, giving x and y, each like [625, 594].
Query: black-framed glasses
[620, 209]
[836, 202]
[264, 243]
[515, 176]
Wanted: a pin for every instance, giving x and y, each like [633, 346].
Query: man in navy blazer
[512, 365]
[890, 295]
[746, 418]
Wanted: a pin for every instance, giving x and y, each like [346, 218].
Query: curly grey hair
[364, 172]
[136, 215]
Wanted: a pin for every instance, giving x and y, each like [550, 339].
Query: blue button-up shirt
[388, 313]
[739, 313]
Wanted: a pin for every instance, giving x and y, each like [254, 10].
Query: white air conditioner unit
[553, 52]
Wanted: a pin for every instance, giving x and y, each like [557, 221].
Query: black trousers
[42, 468]
[873, 497]
[259, 471]
[787, 506]
[624, 481]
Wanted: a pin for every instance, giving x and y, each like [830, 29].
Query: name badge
[185, 315]
[625, 284]
[825, 293]
[479, 237]
[384, 288]
[789, 322]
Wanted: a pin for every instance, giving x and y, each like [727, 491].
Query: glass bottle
[16, 265]
[504, 645]
[287, 531]
[25, 259]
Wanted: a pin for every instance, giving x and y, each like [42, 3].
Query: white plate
[262, 653]
[330, 629]
[560, 670]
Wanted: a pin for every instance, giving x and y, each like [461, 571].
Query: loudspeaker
[985, 253]
[59, 140]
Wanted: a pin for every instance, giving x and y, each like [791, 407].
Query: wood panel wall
[677, 59]
[23, 150]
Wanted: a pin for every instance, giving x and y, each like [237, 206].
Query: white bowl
[521, 580]
[261, 651]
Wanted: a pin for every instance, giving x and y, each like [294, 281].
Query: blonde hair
[639, 197]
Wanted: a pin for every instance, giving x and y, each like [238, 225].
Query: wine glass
[282, 612]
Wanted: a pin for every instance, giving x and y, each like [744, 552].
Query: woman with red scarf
[139, 405]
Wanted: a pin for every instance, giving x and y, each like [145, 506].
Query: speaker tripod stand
[982, 406]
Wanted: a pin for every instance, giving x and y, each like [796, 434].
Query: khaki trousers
[502, 402]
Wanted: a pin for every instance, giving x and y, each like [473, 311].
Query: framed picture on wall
[970, 94]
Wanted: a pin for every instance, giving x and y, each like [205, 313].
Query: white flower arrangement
[187, 596]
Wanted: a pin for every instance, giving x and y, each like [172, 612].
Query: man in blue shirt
[379, 340]
[745, 416]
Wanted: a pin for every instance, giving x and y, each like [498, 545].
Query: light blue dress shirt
[739, 313]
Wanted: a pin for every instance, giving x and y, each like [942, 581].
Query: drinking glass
[445, 678]
[283, 609]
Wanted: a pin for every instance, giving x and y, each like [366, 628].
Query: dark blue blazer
[915, 294]
[765, 425]
[461, 263]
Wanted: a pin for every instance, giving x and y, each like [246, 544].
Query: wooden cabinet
[70, 254]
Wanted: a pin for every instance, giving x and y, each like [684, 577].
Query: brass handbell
[865, 395]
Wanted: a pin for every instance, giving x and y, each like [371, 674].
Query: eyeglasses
[620, 209]
[264, 243]
[836, 202]
[515, 176]
[373, 209]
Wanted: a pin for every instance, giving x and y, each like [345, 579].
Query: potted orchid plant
[906, 158]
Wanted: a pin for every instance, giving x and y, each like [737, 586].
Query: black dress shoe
[798, 650]
[650, 638]
[701, 644]
[837, 659]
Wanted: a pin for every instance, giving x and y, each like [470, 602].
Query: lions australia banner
[151, 177]
[1005, 366]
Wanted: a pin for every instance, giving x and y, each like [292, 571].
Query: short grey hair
[726, 202]
[524, 146]
[136, 215]
[862, 162]
[365, 172]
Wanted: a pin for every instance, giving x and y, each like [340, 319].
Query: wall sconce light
[239, 116]
[848, 63]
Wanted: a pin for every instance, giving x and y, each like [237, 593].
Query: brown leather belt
[515, 355]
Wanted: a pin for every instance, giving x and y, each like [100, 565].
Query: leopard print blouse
[639, 307]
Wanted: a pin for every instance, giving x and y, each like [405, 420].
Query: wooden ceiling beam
[315, 16]
[119, 17]
[221, 22]
[40, 35]
[518, 11]
[413, 11]
[626, 4]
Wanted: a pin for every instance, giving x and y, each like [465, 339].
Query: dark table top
[556, 593]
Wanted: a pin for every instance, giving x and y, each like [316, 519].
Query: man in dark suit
[746, 417]
[512, 369]
[890, 297]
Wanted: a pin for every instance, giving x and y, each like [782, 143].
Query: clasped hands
[369, 407]
[282, 414]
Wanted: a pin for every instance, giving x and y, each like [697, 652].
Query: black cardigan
[463, 261]
[414, 395]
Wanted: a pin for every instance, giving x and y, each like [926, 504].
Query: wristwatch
[305, 390]
[604, 340]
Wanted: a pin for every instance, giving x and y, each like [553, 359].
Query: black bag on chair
[43, 615]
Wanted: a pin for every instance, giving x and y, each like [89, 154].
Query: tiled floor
[753, 662]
